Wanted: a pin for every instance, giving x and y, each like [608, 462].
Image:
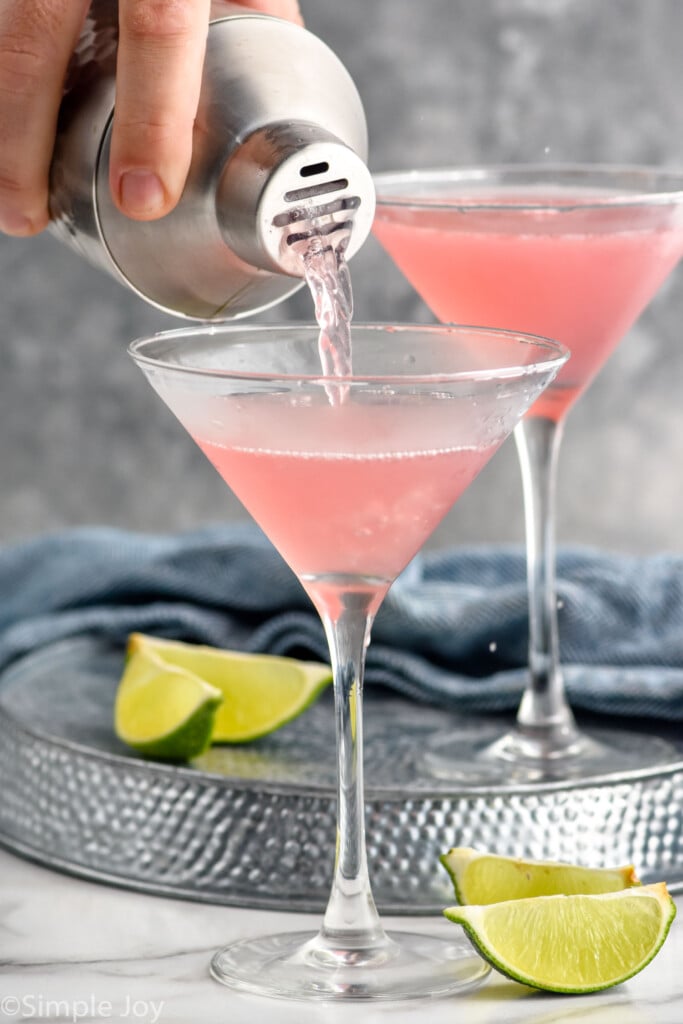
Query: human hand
[158, 77]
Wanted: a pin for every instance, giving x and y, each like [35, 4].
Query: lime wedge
[481, 878]
[260, 692]
[163, 711]
[571, 943]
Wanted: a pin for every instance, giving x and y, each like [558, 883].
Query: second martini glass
[573, 253]
[348, 490]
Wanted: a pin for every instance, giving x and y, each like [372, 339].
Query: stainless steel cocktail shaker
[280, 142]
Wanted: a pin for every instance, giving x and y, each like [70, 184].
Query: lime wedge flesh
[482, 878]
[259, 692]
[162, 711]
[571, 944]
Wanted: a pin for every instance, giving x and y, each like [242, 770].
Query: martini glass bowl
[348, 477]
[572, 252]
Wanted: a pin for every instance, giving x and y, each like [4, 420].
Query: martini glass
[574, 253]
[348, 488]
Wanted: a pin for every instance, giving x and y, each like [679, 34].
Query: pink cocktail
[348, 486]
[572, 253]
[373, 508]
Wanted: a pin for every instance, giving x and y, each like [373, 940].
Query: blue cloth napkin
[452, 631]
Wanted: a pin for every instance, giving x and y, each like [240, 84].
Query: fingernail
[141, 192]
[13, 223]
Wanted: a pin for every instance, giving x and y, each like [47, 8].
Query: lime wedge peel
[162, 711]
[242, 696]
[572, 944]
[483, 878]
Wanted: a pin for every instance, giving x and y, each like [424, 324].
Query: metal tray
[255, 825]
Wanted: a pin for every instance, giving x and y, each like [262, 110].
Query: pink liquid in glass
[348, 493]
[578, 274]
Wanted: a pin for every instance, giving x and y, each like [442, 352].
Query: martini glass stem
[545, 724]
[351, 932]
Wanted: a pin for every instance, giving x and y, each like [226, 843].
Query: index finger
[158, 78]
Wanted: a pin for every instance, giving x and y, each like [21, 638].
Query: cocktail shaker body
[280, 143]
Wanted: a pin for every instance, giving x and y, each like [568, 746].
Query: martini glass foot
[482, 757]
[301, 966]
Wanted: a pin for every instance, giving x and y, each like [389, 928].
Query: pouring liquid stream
[329, 281]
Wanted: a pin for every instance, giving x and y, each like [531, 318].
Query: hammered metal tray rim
[76, 869]
[373, 793]
[86, 872]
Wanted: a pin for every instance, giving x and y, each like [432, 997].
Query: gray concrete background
[84, 440]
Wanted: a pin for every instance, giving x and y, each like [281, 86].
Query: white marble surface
[73, 951]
